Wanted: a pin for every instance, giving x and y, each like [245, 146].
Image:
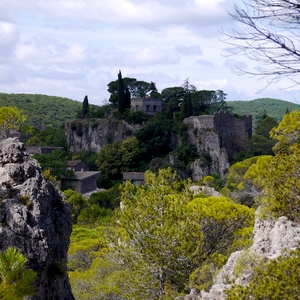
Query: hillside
[274, 107]
[42, 110]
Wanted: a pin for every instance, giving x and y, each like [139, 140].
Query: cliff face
[93, 134]
[34, 218]
[207, 143]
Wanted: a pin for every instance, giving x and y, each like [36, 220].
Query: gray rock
[34, 217]
[271, 238]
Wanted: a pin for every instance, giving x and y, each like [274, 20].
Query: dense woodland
[156, 241]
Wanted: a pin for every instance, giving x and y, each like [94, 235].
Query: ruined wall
[233, 132]
[217, 137]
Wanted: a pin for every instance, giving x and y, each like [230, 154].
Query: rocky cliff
[34, 218]
[93, 134]
[214, 159]
[270, 239]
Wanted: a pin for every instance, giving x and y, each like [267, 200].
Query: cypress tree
[121, 94]
[85, 106]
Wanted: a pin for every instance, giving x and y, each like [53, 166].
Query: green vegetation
[272, 107]
[11, 120]
[161, 235]
[276, 279]
[42, 110]
[56, 162]
[15, 278]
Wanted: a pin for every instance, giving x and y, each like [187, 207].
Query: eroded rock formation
[34, 217]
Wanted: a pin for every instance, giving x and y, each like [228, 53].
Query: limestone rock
[270, 239]
[34, 217]
[96, 133]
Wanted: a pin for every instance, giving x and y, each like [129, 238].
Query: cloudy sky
[73, 48]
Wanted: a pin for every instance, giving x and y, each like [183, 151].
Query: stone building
[78, 165]
[136, 178]
[84, 181]
[147, 105]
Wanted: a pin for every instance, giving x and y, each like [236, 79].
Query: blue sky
[73, 48]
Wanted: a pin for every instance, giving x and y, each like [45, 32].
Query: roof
[73, 163]
[133, 175]
[79, 175]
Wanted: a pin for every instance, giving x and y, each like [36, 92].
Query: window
[147, 107]
[154, 107]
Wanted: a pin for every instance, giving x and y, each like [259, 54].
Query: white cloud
[74, 48]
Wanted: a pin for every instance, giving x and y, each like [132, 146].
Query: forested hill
[42, 110]
[273, 107]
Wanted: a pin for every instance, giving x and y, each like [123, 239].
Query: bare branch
[269, 35]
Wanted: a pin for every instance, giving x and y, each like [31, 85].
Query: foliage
[76, 203]
[287, 132]
[208, 102]
[238, 187]
[41, 110]
[48, 137]
[118, 157]
[278, 176]
[11, 120]
[277, 279]
[272, 107]
[15, 279]
[56, 162]
[157, 230]
[166, 235]
[154, 137]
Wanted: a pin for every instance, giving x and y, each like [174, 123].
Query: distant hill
[274, 107]
[43, 110]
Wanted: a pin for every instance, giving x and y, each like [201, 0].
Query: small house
[83, 182]
[136, 178]
[78, 165]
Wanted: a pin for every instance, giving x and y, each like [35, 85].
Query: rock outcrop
[93, 134]
[34, 217]
[270, 239]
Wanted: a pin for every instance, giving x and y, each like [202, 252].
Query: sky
[73, 48]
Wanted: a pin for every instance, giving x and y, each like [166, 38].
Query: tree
[15, 279]
[121, 94]
[11, 120]
[278, 176]
[269, 36]
[186, 108]
[56, 162]
[49, 137]
[85, 107]
[208, 102]
[118, 157]
[166, 234]
[158, 230]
